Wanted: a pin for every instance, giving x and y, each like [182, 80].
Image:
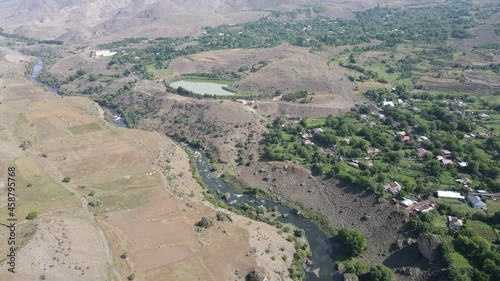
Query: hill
[77, 21]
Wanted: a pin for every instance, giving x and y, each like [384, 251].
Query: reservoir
[201, 88]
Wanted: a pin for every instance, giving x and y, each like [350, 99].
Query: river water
[322, 253]
[115, 117]
[319, 243]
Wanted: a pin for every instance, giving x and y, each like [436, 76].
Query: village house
[446, 152]
[317, 130]
[102, 53]
[446, 162]
[425, 209]
[455, 223]
[476, 202]
[407, 202]
[352, 164]
[306, 136]
[483, 116]
[345, 140]
[307, 142]
[392, 187]
[406, 138]
[464, 181]
[294, 117]
[387, 103]
[415, 109]
[421, 151]
[373, 150]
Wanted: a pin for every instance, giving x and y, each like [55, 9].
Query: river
[115, 117]
[322, 253]
[319, 243]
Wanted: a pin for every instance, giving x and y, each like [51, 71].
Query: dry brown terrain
[121, 168]
[104, 20]
[289, 69]
[343, 206]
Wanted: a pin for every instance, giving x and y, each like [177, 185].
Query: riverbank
[316, 258]
[237, 246]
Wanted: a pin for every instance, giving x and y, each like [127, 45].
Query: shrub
[258, 274]
[353, 240]
[92, 193]
[380, 273]
[124, 255]
[286, 229]
[32, 215]
[95, 203]
[298, 232]
[66, 179]
[205, 222]
[132, 276]
[354, 266]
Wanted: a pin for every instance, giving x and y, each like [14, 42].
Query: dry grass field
[70, 240]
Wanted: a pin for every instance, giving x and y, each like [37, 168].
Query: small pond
[202, 88]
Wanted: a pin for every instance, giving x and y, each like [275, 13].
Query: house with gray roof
[475, 202]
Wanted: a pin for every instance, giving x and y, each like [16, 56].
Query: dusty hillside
[79, 21]
[76, 21]
[12, 62]
[288, 69]
[126, 171]
[344, 206]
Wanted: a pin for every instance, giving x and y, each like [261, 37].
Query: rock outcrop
[350, 277]
[258, 274]
[428, 245]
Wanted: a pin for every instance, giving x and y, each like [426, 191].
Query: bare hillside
[78, 21]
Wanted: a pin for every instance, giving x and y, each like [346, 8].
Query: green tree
[80, 72]
[66, 179]
[32, 215]
[380, 273]
[92, 77]
[353, 240]
[298, 232]
[354, 266]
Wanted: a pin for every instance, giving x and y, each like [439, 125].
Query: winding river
[322, 253]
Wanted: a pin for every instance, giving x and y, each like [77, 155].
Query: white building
[104, 53]
[407, 202]
[449, 194]
[389, 103]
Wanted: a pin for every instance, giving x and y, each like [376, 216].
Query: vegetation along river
[322, 254]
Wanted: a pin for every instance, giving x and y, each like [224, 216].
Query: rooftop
[449, 194]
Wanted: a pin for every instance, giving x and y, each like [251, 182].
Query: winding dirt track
[85, 205]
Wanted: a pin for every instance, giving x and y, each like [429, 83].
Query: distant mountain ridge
[79, 21]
